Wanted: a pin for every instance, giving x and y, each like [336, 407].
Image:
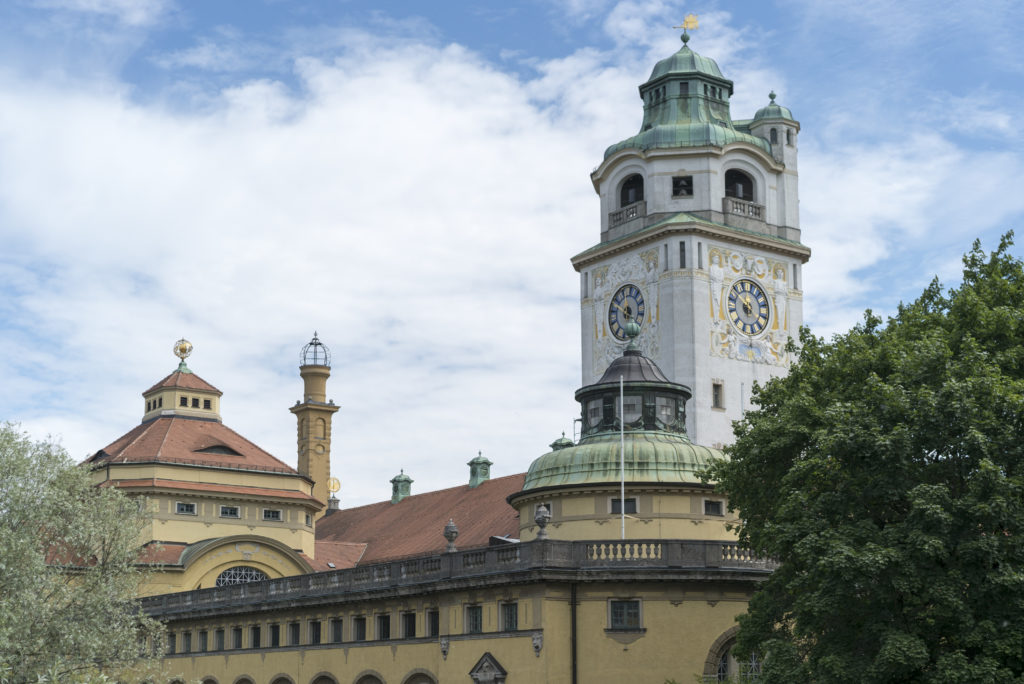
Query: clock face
[748, 307]
[627, 305]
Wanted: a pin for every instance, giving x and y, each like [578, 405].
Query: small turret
[401, 487]
[479, 470]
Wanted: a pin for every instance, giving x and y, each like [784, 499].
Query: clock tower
[700, 244]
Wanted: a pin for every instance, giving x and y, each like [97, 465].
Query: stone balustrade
[546, 555]
[627, 213]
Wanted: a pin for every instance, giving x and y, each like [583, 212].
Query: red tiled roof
[185, 381]
[159, 483]
[342, 554]
[415, 524]
[177, 439]
[161, 553]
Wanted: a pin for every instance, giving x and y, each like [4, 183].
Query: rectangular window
[314, 632]
[666, 256]
[713, 508]
[229, 512]
[195, 402]
[632, 408]
[682, 255]
[700, 256]
[630, 505]
[275, 636]
[206, 403]
[474, 619]
[147, 407]
[408, 625]
[336, 633]
[586, 289]
[682, 186]
[359, 629]
[293, 633]
[159, 402]
[433, 623]
[171, 643]
[201, 646]
[273, 514]
[717, 395]
[624, 614]
[186, 642]
[383, 627]
[218, 640]
[309, 520]
[236, 637]
[509, 617]
[254, 636]
[183, 401]
[185, 508]
[684, 87]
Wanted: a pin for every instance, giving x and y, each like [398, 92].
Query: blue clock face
[627, 305]
[748, 307]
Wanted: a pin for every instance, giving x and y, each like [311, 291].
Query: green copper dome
[651, 456]
[648, 413]
[773, 111]
[686, 61]
[686, 104]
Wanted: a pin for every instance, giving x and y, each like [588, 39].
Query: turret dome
[773, 111]
[686, 62]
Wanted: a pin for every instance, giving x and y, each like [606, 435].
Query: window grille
[240, 574]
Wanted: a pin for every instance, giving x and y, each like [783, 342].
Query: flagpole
[622, 454]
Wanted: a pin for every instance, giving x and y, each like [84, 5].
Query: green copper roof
[773, 111]
[686, 104]
[689, 134]
[686, 61]
[651, 456]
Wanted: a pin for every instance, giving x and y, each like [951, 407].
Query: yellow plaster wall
[585, 515]
[681, 622]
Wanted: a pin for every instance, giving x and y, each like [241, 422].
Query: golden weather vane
[689, 23]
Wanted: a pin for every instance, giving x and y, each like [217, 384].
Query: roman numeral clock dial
[627, 305]
[748, 307]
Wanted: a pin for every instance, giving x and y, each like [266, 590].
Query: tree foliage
[886, 474]
[68, 576]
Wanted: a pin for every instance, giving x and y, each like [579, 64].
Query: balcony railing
[627, 213]
[537, 555]
[739, 207]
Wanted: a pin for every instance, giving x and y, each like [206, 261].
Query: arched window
[632, 190]
[773, 136]
[243, 680]
[240, 574]
[324, 679]
[789, 137]
[369, 679]
[739, 185]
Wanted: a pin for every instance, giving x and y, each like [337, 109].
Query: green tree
[886, 474]
[68, 577]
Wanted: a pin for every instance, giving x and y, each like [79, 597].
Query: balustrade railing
[627, 213]
[536, 555]
[739, 207]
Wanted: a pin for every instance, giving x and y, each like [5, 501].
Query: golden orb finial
[182, 348]
[333, 485]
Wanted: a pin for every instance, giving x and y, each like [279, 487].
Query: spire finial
[632, 330]
[771, 96]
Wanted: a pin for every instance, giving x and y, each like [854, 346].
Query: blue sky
[410, 179]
